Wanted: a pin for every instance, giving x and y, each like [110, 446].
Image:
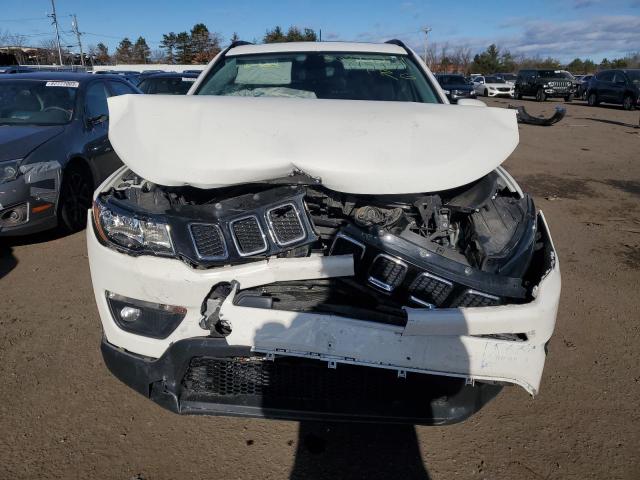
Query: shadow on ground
[362, 451]
[7, 261]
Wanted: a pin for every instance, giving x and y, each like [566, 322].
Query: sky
[562, 29]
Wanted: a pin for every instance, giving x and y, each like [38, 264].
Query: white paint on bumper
[439, 341]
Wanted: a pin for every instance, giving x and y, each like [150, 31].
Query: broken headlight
[9, 170]
[130, 232]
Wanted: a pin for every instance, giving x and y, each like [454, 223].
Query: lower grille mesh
[387, 273]
[471, 298]
[295, 378]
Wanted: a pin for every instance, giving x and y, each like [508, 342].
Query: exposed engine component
[470, 246]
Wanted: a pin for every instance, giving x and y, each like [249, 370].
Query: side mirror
[97, 120]
[470, 102]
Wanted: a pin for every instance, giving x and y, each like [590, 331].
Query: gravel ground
[62, 415]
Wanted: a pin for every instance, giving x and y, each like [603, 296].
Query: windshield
[508, 76]
[345, 76]
[452, 80]
[167, 85]
[552, 74]
[37, 102]
[493, 80]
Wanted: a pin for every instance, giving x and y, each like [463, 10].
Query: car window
[96, 100]
[167, 85]
[120, 88]
[605, 76]
[619, 77]
[37, 102]
[321, 75]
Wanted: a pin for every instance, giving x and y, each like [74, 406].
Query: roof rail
[399, 43]
[239, 43]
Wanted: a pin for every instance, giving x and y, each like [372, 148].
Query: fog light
[130, 314]
[15, 215]
[150, 319]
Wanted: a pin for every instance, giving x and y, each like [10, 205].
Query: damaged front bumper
[28, 203]
[459, 351]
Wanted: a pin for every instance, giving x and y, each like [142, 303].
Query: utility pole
[426, 31]
[55, 22]
[74, 25]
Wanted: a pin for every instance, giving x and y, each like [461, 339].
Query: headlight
[9, 170]
[446, 92]
[131, 232]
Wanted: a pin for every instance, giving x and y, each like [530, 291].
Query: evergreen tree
[140, 51]
[124, 51]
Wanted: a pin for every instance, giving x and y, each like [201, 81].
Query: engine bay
[465, 247]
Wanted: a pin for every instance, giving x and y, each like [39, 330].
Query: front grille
[285, 224]
[209, 241]
[387, 272]
[248, 236]
[473, 298]
[429, 289]
[503, 89]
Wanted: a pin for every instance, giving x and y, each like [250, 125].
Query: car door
[478, 85]
[618, 86]
[605, 86]
[98, 149]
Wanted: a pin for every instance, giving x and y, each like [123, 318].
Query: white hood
[352, 146]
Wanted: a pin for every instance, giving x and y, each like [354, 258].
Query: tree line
[444, 58]
[197, 46]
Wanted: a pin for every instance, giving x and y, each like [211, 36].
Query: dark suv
[543, 84]
[621, 87]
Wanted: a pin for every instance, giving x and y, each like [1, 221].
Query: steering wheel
[66, 112]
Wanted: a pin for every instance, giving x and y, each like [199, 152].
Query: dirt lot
[62, 415]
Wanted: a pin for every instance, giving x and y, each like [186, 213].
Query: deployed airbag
[363, 147]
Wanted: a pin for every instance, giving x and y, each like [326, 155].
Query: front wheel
[627, 102]
[486, 92]
[568, 98]
[517, 94]
[75, 199]
[540, 95]
[592, 99]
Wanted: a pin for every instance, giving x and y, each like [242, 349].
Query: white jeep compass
[314, 232]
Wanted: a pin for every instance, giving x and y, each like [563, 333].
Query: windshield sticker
[67, 84]
[189, 79]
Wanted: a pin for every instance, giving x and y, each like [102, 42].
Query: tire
[517, 94]
[592, 99]
[540, 95]
[486, 92]
[568, 98]
[76, 196]
[627, 102]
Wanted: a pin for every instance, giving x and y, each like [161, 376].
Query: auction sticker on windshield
[68, 84]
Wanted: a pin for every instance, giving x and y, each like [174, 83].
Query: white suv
[314, 232]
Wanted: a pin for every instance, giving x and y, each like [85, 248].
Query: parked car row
[619, 87]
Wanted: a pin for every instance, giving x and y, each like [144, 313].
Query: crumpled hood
[361, 147]
[18, 141]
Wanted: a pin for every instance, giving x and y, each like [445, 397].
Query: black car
[543, 84]
[168, 83]
[582, 86]
[621, 87]
[54, 148]
[456, 87]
